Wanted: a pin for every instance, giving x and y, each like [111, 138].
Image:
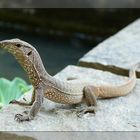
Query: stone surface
[117, 53]
[117, 114]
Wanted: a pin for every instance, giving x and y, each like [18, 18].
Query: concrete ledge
[117, 53]
[117, 114]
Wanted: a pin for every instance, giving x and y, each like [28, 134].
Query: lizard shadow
[59, 109]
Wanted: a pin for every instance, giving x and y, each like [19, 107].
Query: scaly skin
[57, 90]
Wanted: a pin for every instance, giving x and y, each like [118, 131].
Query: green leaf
[10, 90]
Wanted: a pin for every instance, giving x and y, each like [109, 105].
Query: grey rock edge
[117, 114]
[117, 53]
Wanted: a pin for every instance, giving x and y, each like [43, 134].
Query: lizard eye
[29, 53]
[18, 45]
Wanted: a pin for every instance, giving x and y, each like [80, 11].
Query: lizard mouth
[29, 53]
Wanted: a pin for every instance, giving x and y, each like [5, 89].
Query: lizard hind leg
[90, 99]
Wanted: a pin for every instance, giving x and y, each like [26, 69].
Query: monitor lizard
[57, 90]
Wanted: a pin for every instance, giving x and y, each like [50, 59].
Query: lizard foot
[90, 109]
[13, 102]
[23, 117]
[26, 112]
[21, 103]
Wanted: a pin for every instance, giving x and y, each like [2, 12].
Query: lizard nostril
[29, 53]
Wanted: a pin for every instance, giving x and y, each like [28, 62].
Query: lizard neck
[38, 64]
[39, 69]
[34, 67]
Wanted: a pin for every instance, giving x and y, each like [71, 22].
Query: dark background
[70, 3]
[61, 36]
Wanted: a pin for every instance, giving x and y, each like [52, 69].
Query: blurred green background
[61, 36]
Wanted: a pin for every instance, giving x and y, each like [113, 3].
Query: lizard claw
[20, 118]
[90, 109]
[13, 102]
[26, 112]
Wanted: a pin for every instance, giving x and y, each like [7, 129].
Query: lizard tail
[121, 90]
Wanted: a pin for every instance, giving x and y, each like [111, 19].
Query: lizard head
[21, 50]
[17, 47]
[25, 54]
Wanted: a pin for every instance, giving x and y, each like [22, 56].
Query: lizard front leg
[34, 109]
[24, 103]
[90, 99]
